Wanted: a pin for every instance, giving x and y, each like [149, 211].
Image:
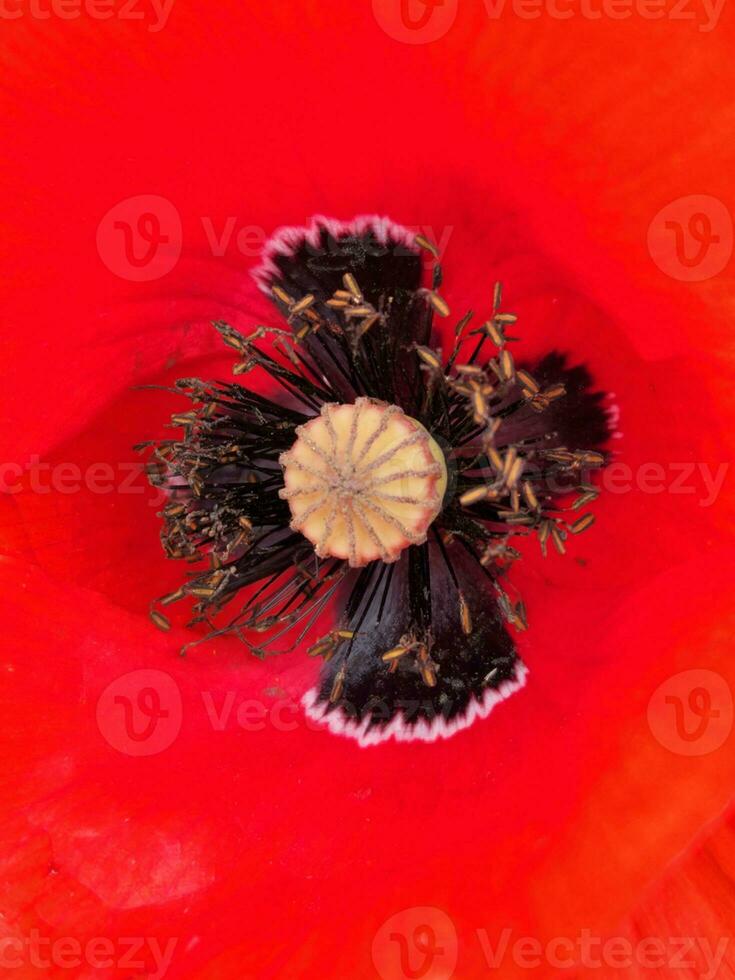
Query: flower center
[363, 481]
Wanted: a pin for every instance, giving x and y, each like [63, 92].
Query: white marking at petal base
[287, 240]
[398, 728]
[612, 413]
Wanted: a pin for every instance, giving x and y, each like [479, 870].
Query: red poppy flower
[183, 816]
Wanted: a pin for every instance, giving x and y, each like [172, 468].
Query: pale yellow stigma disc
[363, 481]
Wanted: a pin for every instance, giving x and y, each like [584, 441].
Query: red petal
[554, 813]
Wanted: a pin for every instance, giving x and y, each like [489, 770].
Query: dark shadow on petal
[467, 666]
[388, 267]
[580, 418]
